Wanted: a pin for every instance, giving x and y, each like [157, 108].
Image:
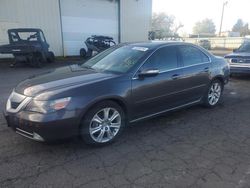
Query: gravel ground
[194, 147]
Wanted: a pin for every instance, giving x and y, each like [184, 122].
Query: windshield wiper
[88, 67]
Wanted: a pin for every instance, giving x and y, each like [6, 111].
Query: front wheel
[103, 123]
[214, 93]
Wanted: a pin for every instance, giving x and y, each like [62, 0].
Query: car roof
[155, 44]
[24, 30]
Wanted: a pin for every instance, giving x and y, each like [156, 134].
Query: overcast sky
[188, 12]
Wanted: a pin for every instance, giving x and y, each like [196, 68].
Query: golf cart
[28, 45]
[96, 43]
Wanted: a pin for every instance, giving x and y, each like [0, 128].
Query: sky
[188, 12]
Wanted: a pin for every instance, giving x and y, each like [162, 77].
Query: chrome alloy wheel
[104, 125]
[214, 93]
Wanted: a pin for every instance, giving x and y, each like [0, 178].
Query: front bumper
[37, 126]
[240, 68]
[42, 127]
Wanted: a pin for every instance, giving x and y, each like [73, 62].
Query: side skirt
[164, 111]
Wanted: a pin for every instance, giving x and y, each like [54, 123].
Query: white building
[67, 23]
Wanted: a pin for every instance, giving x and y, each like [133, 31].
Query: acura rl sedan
[122, 85]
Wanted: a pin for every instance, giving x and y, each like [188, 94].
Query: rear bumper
[17, 49]
[41, 127]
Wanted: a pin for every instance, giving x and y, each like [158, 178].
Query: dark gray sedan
[124, 84]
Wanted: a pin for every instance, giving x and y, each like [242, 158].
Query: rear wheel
[83, 52]
[213, 94]
[103, 123]
[51, 57]
[36, 60]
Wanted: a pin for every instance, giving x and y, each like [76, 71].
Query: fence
[221, 43]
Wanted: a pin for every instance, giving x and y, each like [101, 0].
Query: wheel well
[220, 79]
[117, 101]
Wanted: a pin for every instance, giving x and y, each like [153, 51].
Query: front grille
[16, 99]
[14, 105]
[16, 102]
[239, 60]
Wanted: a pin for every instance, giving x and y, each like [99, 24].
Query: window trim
[134, 77]
[181, 57]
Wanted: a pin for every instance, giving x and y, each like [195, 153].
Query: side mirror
[148, 73]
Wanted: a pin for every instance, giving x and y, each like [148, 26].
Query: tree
[204, 26]
[164, 26]
[242, 28]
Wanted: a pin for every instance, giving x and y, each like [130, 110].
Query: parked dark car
[239, 60]
[28, 45]
[205, 44]
[124, 84]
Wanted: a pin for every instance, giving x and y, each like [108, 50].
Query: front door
[158, 93]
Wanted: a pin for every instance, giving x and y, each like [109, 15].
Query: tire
[37, 60]
[213, 94]
[83, 52]
[51, 57]
[97, 130]
[89, 53]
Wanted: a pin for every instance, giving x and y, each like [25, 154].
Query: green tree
[242, 28]
[204, 26]
[164, 26]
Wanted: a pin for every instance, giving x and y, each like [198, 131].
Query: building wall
[83, 18]
[42, 14]
[135, 18]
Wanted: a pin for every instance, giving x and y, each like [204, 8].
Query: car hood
[59, 78]
[238, 55]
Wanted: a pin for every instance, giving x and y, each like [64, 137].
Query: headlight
[47, 106]
[229, 60]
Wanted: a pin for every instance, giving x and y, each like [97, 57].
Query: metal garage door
[83, 18]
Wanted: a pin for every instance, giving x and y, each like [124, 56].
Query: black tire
[87, 123]
[207, 98]
[89, 53]
[51, 57]
[83, 53]
[37, 60]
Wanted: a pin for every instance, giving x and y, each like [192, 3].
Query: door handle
[206, 69]
[175, 76]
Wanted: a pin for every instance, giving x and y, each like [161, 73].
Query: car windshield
[116, 60]
[245, 47]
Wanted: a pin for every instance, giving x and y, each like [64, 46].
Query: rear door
[155, 94]
[196, 68]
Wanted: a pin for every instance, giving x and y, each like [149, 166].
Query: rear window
[24, 36]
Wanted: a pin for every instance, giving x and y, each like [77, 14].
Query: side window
[163, 59]
[42, 37]
[191, 55]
